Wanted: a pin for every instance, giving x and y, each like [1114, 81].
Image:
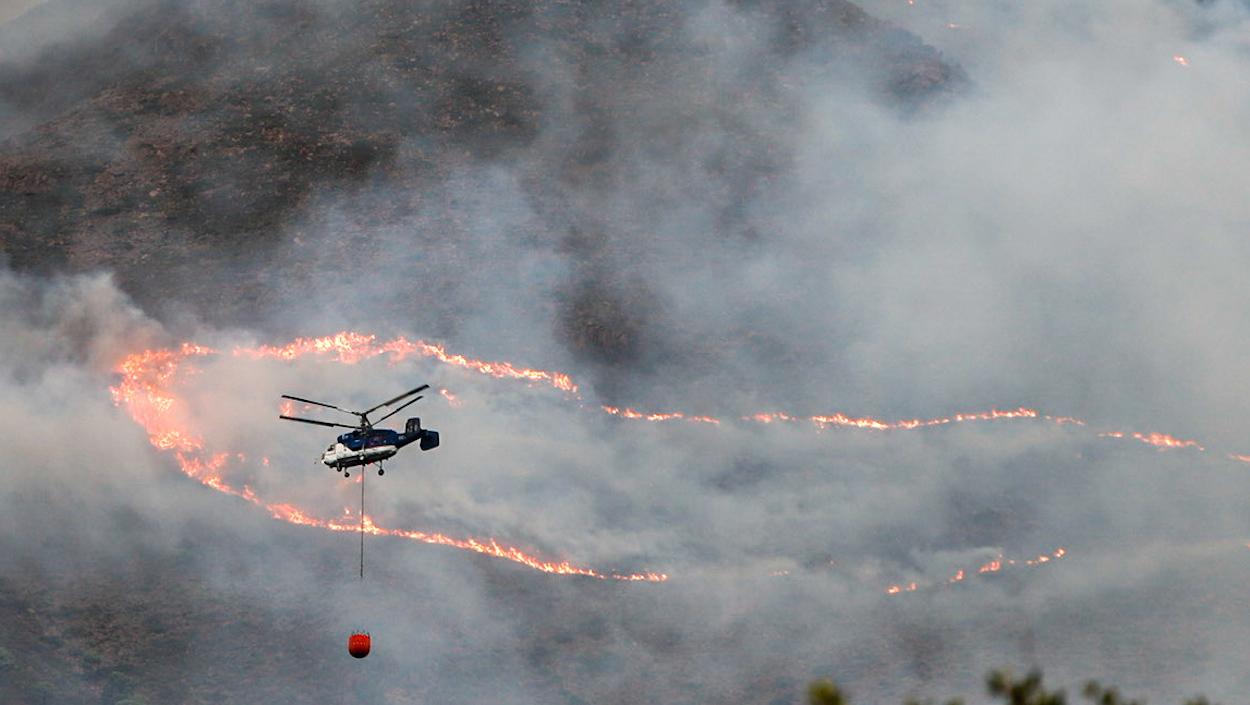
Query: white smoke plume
[1064, 233]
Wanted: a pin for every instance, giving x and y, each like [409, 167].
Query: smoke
[9, 10]
[723, 209]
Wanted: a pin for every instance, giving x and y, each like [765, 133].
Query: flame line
[145, 391]
[350, 347]
[148, 377]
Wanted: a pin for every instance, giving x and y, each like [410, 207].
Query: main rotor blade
[405, 405]
[422, 388]
[320, 403]
[317, 423]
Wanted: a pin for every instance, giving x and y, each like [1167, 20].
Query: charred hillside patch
[179, 147]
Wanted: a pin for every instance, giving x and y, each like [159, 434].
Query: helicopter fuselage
[341, 456]
[363, 447]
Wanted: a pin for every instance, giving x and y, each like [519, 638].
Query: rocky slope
[187, 145]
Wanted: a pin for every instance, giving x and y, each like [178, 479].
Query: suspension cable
[363, 474]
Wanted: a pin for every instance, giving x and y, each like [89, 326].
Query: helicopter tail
[414, 432]
[429, 440]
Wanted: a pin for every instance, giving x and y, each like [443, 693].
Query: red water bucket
[358, 644]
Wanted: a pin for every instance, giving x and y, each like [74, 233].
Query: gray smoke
[729, 222]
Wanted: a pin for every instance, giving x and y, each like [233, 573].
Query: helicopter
[364, 444]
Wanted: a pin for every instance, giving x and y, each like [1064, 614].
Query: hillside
[228, 159]
[195, 148]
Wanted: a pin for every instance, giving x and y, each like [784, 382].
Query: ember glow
[1180, 60]
[1062, 420]
[992, 566]
[1162, 441]
[995, 565]
[452, 399]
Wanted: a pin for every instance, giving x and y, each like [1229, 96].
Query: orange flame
[1062, 420]
[148, 379]
[1162, 441]
[995, 565]
[1180, 60]
[672, 416]
[146, 391]
[350, 348]
[871, 424]
[992, 567]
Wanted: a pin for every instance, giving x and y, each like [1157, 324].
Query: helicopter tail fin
[429, 440]
[413, 432]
